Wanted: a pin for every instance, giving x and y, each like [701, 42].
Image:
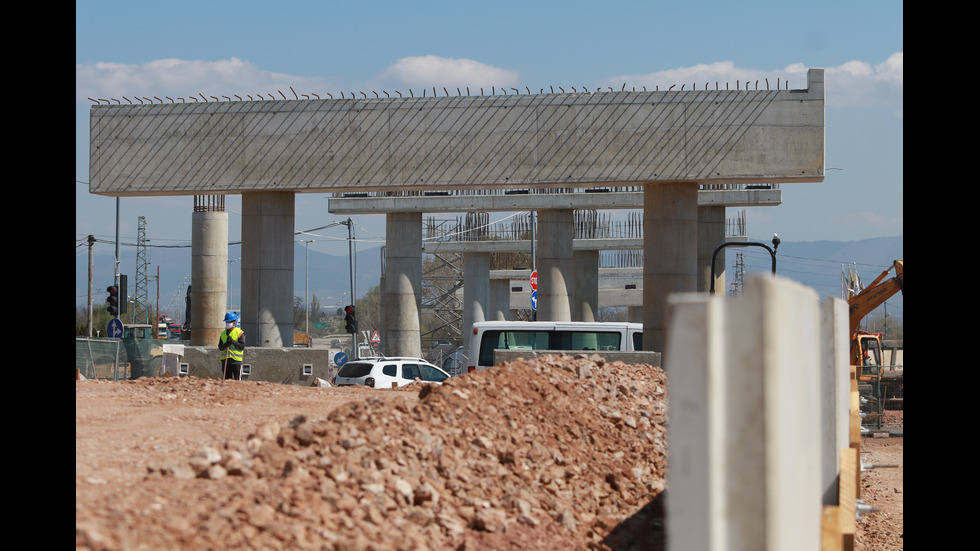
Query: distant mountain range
[817, 264]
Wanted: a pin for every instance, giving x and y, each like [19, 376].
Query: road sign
[340, 359]
[375, 337]
[534, 280]
[534, 300]
[114, 329]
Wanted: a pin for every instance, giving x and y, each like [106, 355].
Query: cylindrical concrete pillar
[670, 259]
[209, 275]
[403, 284]
[585, 297]
[711, 234]
[268, 224]
[634, 314]
[499, 302]
[476, 289]
[556, 230]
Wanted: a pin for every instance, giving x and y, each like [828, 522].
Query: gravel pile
[556, 452]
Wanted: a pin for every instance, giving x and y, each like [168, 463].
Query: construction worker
[232, 347]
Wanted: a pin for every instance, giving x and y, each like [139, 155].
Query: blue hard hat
[231, 316]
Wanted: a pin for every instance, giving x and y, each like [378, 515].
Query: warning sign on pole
[375, 337]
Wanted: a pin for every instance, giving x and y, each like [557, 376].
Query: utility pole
[91, 269]
[350, 260]
[307, 243]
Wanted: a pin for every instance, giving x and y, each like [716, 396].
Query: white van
[549, 335]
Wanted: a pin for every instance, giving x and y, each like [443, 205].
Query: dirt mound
[561, 451]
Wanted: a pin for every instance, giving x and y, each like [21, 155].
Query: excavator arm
[873, 295]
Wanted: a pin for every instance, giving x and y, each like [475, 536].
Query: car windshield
[432, 374]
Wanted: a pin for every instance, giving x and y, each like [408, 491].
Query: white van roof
[497, 324]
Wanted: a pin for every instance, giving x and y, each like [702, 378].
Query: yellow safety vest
[231, 352]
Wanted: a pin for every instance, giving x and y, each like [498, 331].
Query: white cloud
[430, 70]
[852, 84]
[186, 78]
[229, 77]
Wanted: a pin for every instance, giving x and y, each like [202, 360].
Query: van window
[545, 340]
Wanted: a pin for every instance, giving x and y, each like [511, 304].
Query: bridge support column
[209, 273]
[403, 284]
[711, 234]
[268, 224]
[556, 229]
[476, 289]
[585, 287]
[670, 262]
[499, 303]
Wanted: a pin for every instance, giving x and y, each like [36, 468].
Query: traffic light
[350, 322]
[113, 300]
[123, 295]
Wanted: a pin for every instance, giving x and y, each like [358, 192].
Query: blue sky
[182, 48]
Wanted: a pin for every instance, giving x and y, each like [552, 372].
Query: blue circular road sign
[534, 300]
[340, 358]
[114, 329]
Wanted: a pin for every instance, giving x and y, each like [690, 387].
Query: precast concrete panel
[394, 144]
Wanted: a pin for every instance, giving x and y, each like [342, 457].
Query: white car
[388, 372]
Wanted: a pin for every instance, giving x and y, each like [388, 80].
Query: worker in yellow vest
[232, 347]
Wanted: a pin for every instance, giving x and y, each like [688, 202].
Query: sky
[223, 48]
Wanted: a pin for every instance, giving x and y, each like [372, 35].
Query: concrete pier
[267, 268]
[402, 294]
[209, 275]
[670, 259]
[555, 273]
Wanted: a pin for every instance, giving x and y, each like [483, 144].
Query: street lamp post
[307, 243]
[350, 252]
[772, 253]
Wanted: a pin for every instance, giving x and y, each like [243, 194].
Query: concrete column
[268, 224]
[403, 284]
[476, 289]
[835, 394]
[556, 229]
[670, 216]
[209, 276]
[634, 314]
[499, 309]
[382, 291]
[585, 286]
[711, 234]
[745, 462]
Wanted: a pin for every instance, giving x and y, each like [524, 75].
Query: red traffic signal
[350, 323]
[112, 300]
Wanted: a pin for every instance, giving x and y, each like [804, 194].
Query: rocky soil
[560, 452]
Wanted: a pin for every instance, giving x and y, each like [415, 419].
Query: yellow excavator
[866, 350]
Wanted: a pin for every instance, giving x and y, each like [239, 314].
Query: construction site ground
[556, 453]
